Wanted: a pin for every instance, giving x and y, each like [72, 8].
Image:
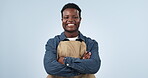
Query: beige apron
[74, 49]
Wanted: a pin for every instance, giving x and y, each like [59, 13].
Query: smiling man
[71, 21]
[71, 54]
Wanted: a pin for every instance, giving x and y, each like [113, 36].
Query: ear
[80, 19]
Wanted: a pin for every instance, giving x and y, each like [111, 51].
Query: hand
[61, 60]
[86, 55]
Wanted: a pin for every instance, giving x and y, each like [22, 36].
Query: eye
[75, 17]
[65, 17]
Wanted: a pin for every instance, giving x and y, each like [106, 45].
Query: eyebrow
[70, 15]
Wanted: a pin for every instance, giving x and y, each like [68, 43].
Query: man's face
[71, 20]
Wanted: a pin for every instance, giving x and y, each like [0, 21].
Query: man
[71, 55]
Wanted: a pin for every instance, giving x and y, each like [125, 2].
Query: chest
[74, 49]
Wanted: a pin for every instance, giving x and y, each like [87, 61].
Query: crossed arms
[69, 66]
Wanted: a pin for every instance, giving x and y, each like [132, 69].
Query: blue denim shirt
[72, 66]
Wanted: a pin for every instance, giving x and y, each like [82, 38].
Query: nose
[70, 19]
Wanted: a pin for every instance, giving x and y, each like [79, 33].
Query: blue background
[119, 26]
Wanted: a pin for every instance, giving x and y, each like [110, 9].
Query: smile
[70, 24]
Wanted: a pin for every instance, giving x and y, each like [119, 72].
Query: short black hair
[71, 5]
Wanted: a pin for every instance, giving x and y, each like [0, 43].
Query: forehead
[70, 11]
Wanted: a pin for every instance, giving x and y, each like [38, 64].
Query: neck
[71, 35]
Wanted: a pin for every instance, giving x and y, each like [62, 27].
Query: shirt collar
[62, 36]
[81, 36]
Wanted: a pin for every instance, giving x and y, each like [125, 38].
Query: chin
[71, 31]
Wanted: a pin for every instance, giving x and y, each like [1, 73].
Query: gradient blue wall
[120, 27]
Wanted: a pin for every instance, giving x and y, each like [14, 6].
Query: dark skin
[71, 22]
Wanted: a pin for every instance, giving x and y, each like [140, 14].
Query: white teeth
[70, 24]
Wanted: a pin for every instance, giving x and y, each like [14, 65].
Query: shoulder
[87, 40]
[52, 42]
[58, 38]
[90, 40]
[54, 39]
[91, 43]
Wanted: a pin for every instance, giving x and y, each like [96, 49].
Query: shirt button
[67, 64]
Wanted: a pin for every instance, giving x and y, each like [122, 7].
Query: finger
[88, 56]
[85, 57]
[85, 54]
[89, 53]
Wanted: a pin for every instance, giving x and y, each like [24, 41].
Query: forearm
[59, 69]
[53, 67]
[84, 66]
